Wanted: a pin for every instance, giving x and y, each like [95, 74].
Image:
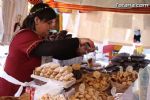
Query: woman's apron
[11, 79]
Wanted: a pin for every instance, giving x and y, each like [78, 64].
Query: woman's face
[43, 27]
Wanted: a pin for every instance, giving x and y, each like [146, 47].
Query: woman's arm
[60, 49]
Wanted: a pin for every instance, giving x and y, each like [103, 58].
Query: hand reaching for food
[86, 46]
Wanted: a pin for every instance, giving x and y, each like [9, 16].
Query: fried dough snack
[55, 71]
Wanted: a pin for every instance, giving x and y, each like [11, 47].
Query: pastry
[76, 66]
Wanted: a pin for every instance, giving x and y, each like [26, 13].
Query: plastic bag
[49, 88]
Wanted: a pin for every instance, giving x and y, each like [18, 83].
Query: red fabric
[19, 63]
[108, 48]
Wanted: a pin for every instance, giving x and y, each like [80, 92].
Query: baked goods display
[93, 85]
[88, 93]
[97, 85]
[76, 66]
[124, 60]
[112, 68]
[76, 71]
[98, 81]
[54, 97]
[123, 79]
[55, 71]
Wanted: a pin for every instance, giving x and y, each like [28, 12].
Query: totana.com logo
[131, 5]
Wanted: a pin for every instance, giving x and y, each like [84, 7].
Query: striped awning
[126, 6]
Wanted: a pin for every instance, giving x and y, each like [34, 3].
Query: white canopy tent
[114, 27]
[11, 9]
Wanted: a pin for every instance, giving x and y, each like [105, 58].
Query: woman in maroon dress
[28, 46]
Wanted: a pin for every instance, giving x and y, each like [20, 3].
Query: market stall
[121, 72]
[91, 82]
[87, 77]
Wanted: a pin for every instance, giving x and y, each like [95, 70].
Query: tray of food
[55, 73]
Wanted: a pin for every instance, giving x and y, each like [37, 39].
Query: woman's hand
[85, 41]
[86, 46]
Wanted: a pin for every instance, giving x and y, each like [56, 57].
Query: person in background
[137, 42]
[28, 46]
[137, 36]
